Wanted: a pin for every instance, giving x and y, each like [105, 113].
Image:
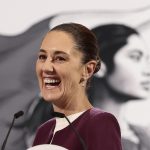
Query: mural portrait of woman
[123, 76]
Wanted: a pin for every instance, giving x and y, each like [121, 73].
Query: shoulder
[103, 120]
[103, 130]
[43, 132]
[47, 125]
[96, 113]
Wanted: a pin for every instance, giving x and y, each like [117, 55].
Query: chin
[142, 93]
[50, 98]
[51, 95]
[138, 95]
[47, 99]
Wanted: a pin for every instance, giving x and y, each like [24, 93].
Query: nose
[148, 58]
[48, 66]
[146, 71]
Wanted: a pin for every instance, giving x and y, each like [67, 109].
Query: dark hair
[111, 38]
[85, 41]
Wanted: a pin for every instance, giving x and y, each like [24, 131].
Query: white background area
[17, 15]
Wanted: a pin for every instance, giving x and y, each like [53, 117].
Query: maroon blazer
[99, 130]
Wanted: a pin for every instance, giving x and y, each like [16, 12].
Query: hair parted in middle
[85, 41]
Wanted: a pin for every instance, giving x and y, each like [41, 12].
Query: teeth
[51, 81]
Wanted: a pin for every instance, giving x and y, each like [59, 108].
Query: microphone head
[18, 114]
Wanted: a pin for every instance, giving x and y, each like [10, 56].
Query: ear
[103, 70]
[89, 69]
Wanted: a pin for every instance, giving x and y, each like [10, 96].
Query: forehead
[58, 40]
[135, 43]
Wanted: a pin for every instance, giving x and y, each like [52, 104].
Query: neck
[106, 92]
[109, 105]
[72, 105]
[109, 99]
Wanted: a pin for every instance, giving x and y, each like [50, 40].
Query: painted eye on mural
[136, 55]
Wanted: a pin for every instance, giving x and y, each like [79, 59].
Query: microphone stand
[61, 115]
[16, 115]
[4, 143]
[77, 134]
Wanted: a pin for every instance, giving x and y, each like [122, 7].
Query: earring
[83, 82]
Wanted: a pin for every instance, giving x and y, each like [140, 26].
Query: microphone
[61, 115]
[16, 115]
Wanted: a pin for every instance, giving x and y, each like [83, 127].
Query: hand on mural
[144, 136]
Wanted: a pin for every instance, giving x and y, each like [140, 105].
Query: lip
[146, 85]
[50, 87]
[50, 76]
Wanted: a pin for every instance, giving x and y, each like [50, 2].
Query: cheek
[69, 84]
[125, 79]
[119, 77]
[126, 76]
[130, 72]
[71, 77]
[126, 69]
[126, 66]
[38, 72]
[38, 68]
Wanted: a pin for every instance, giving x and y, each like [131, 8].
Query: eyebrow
[55, 52]
[137, 51]
[42, 50]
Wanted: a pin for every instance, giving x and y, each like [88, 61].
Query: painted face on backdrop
[131, 71]
[59, 66]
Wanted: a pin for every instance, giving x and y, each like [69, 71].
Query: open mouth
[51, 82]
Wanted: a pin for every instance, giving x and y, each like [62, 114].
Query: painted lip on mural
[146, 85]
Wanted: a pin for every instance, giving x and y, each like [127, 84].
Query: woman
[123, 76]
[67, 60]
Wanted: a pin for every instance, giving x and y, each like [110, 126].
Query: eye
[59, 59]
[42, 57]
[136, 56]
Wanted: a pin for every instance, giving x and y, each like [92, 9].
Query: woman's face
[59, 67]
[131, 73]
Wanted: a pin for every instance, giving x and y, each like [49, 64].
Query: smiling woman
[67, 60]
[57, 61]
